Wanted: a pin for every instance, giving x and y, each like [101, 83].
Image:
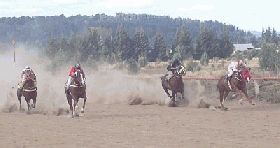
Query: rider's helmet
[176, 62]
[27, 68]
[240, 62]
[78, 65]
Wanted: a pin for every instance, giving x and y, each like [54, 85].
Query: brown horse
[77, 90]
[238, 83]
[29, 91]
[175, 83]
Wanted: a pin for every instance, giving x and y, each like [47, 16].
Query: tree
[207, 42]
[183, 43]
[141, 44]
[91, 44]
[53, 47]
[159, 50]
[123, 45]
[226, 47]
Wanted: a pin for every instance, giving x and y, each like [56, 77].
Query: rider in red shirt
[71, 73]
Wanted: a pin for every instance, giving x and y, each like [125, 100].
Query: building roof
[242, 47]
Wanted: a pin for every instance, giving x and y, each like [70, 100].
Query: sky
[248, 15]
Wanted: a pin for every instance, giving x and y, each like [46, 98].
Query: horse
[238, 83]
[175, 83]
[76, 91]
[29, 91]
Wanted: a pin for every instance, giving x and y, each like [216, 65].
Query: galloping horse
[77, 90]
[29, 91]
[175, 83]
[237, 82]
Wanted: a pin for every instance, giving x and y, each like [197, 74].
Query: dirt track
[110, 122]
[145, 126]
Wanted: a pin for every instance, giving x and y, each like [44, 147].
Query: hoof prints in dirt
[39, 110]
[61, 111]
[10, 109]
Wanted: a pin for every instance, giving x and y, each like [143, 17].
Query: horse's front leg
[246, 94]
[223, 97]
[75, 105]
[83, 108]
[173, 99]
[166, 91]
[182, 92]
[28, 103]
[240, 97]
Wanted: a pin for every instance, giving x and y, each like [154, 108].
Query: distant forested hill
[37, 30]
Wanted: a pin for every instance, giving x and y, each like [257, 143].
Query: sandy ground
[109, 120]
[118, 125]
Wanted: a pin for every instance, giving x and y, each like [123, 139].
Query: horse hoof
[82, 111]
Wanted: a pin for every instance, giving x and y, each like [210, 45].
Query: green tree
[52, 47]
[141, 44]
[226, 47]
[123, 45]
[91, 44]
[207, 42]
[183, 43]
[159, 50]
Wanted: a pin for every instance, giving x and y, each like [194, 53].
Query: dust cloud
[105, 85]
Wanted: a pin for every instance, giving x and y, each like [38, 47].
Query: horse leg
[83, 108]
[34, 102]
[69, 100]
[173, 99]
[19, 98]
[182, 92]
[248, 98]
[166, 91]
[75, 105]
[28, 103]
[240, 97]
[223, 96]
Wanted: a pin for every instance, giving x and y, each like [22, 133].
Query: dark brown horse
[175, 83]
[238, 83]
[77, 90]
[29, 91]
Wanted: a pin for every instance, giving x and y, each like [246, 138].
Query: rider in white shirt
[234, 66]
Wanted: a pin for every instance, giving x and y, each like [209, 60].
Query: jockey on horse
[171, 69]
[233, 67]
[71, 74]
[25, 73]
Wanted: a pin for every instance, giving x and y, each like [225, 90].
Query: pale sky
[248, 15]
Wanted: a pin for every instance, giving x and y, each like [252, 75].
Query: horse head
[245, 73]
[30, 79]
[78, 78]
[180, 70]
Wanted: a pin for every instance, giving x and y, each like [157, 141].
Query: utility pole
[14, 44]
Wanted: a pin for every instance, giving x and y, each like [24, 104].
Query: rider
[235, 66]
[27, 70]
[172, 68]
[71, 73]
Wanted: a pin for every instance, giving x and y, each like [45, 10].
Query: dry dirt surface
[110, 120]
[118, 125]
